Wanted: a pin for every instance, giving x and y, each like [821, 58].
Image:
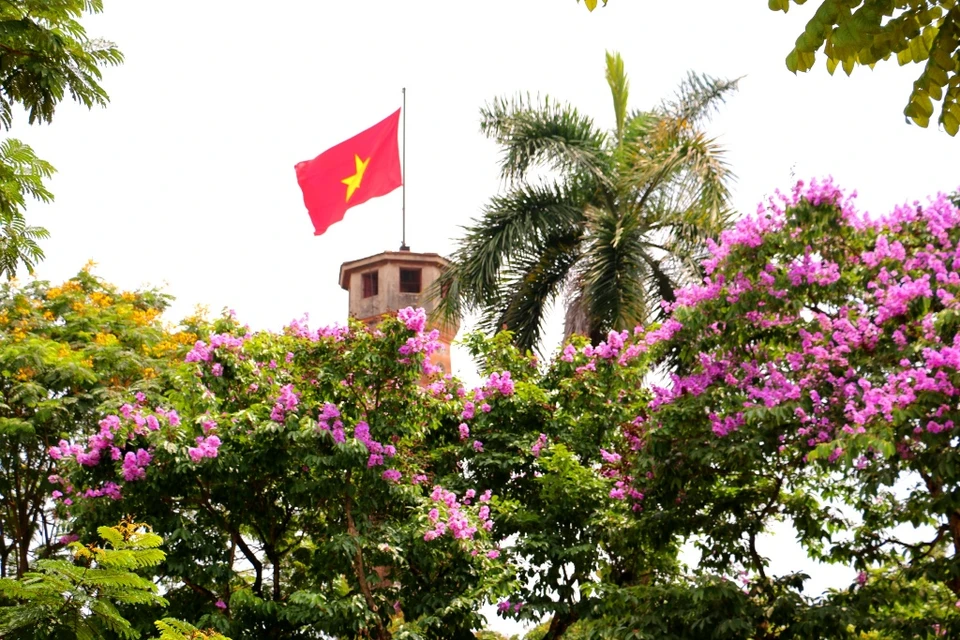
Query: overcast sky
[186, 179]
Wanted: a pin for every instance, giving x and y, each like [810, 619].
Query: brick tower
[387, 282]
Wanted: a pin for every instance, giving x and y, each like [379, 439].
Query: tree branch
[358, 561]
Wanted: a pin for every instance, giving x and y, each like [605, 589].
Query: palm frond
[613, 271]
[661, 283]
[695, 187]
[697, 98]
[625, 225]
[619, 89]
[529, 285]
[544, 133]
[522, 222]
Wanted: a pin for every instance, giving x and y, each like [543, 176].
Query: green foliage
[45, 56]
[80, 599]
[868, 31]
[618, 230]
[173, 629]
[21, 175]
[64, 352]
[543, 455]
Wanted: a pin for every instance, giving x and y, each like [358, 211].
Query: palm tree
[615, 220]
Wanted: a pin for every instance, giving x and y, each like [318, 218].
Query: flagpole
[403, 186]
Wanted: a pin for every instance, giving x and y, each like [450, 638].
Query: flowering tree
[545, 440]
[291, 476]
[329, 482]
[64, 351]
[818, 383]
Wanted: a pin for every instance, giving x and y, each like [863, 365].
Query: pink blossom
[611, 458]
[413, 319]
[538, 445]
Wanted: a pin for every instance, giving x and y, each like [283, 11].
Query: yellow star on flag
[353, 182]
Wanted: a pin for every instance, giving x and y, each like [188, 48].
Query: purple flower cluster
[505, 606]
[203, 352]
[539, 445]
[134, 465]
[413, 319]
[207, 447]
[328, 413]
[287, 401]
[899, 272]
[450, 516]
[499, 382]
[377, 450]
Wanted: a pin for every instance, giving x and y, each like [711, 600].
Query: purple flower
[413, 319]
[539, 444]
[207, 447]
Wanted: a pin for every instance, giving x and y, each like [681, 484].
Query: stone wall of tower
[388, 298]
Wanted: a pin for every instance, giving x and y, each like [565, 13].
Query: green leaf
[950, 123]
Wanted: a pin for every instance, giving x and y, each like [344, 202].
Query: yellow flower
[100, 300]
[105, 339]
[25, 373]
[144, 318]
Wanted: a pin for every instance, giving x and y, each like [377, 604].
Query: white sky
[186, 179]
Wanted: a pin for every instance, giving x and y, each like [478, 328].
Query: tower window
[410, 280]
[370, 284]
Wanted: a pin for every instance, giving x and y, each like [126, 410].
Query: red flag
[365, 166]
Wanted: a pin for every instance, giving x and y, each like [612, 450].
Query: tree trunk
[559, 625]
[954, 522]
